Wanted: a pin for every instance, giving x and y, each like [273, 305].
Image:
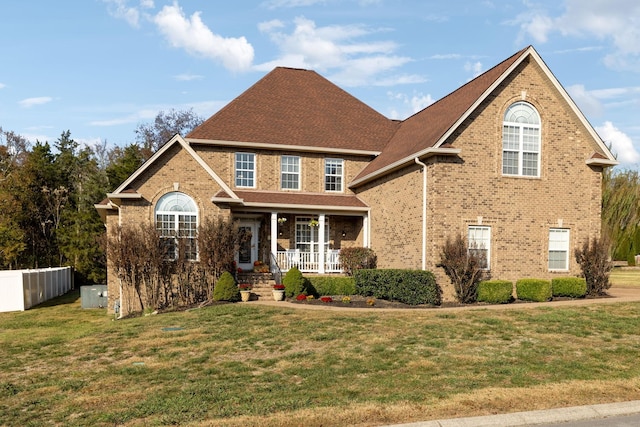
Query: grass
[239, 364]
[625, 276]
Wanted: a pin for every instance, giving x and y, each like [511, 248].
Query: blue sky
[99, 68]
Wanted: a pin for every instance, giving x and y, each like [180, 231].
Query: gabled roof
[425, 132]
[124, 192]
[294, 107]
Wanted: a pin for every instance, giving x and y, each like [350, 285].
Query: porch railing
[307, 262]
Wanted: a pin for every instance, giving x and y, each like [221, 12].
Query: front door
[248, 250]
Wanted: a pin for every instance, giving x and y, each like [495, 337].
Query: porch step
[262, 284]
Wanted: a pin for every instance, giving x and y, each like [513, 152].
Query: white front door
[248, 250]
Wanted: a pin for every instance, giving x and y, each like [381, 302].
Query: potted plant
[245, 291]
[278, 292]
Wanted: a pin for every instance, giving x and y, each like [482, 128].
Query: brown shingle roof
[297, 199]
[425, 128]
[301, 108]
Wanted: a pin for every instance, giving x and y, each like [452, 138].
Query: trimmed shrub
[537, 290]
[324, 285]
[495, 291]
[226, 288]
[354, 259]
[406, 286]
[294, 283]
[573, 287]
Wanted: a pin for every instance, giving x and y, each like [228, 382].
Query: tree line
[48, 192]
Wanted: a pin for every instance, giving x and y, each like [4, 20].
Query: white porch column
[321, 251]
[274, 236]
[365, 230]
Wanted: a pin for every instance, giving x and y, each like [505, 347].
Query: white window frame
[479, 240]
[245, 170]
[521, 121]
[289, 172]
[308, 236]
[176, 217]
[559, 239]
[333, 181]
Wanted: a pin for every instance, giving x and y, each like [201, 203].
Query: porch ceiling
[281, 200]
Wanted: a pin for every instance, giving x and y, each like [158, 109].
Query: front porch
[309, 241]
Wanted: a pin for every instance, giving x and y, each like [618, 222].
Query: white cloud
[336, 51]
[2, 85]
[30, 102]
[474, 68]
[121, 10]
[191, 34]
[622, 145]
[409, 104]
[587, 101]
[615, 21]
[188, 77]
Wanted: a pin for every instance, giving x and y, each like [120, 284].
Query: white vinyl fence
[22, 289]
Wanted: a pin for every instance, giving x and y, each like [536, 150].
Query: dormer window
[521, 141]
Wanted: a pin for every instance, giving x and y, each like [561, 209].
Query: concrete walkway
[543, 417]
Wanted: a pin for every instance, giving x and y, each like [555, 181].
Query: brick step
[255, 278]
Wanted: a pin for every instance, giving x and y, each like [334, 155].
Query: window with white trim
[308, 236]
[333, 169]
[290, 172]
[558, 249]
[521, 141]
[177, 222]
[479, 240]
[245, 172]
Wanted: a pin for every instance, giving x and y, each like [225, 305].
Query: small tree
[463, 267]
[595, 263]
[218, 241]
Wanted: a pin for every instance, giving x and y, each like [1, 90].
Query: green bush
[406, 286]
[495, 291]
[226, 288]
[325, 285]
[294, 283]
[354, 259]
[573, 287]
[537, 290]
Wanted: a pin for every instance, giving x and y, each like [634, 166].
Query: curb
[549, 416]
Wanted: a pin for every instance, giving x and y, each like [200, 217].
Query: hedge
[537, 290]
[495, 291]
[327, 285]
[406, 286]
[573, 287]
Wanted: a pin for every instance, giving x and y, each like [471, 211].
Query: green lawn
[625, 276]
[245, 364]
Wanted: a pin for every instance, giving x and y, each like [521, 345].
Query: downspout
[424, 213]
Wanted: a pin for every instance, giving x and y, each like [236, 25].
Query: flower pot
[278, 294]
[245, 295]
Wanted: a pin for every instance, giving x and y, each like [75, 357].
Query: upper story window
[480, 244]
[245, 170]
[521, 141]
[177, 223]
[333, 171]
[290, 172]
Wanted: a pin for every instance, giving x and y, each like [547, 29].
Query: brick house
[508, 160]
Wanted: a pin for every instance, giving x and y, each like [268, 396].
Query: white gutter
[424, 213]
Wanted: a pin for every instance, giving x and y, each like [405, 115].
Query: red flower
[278, 287]
[326, 299]
[245, 286]
[301, 297]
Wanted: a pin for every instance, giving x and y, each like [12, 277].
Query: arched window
[177, 218]
[521, 140]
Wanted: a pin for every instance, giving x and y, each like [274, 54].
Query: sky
[100, 68]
